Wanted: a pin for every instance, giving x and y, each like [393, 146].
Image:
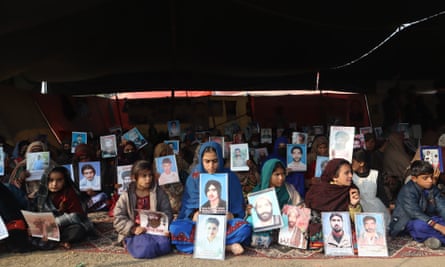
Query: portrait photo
[239, 155]
[108, 146]
[136, 137]
[123, 177]
[299, 138]
[296, 157]
[266, 135]
[78, 138]
[370, 233]
[266, 213]
[432, 154]
[210, 242]
[341, 142]
[42, 224]
[155, 222]
[337, 233]
[174, 128]
[213, 193]
[89, 176]
[320, 164]
[36, 163]
[168, 169]
[173, 144]
[295, 226]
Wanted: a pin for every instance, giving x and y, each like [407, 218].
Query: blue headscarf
[190, 198]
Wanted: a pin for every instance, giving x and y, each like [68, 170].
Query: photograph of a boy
[173, 128]
[296, 157]
[89, 173]
[169, 170]
[136, 137]
[420, 207]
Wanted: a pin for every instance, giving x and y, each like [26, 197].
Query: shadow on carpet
[106, 238]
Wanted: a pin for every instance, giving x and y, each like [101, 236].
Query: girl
[59, 195]
[143, 193]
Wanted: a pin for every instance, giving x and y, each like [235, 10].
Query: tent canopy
[100, 46]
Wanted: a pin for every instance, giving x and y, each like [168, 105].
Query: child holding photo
[143, 193]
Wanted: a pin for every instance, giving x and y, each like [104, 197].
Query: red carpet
[104, 243]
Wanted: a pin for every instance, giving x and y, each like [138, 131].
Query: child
[58, 194]
[420, 208]
[143, 193]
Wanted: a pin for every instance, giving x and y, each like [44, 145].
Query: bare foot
[235, 248]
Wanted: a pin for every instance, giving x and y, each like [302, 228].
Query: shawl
[190, 198]
[266, 173]
[395, 159]
[326, 196]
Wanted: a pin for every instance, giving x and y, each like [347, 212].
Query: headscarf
[190, 199]
[266, 173]
[326, 196]
[318, 140]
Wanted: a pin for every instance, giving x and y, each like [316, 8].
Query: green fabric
[282, 194]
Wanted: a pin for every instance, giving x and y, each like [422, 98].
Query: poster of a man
[266, 214]
[371, 238]
[337, 233]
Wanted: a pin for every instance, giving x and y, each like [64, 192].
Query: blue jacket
[414, 203]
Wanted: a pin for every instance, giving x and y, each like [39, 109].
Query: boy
[420, 208]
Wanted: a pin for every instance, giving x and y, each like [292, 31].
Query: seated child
[420, 208]
[59, 195]
[143, 193]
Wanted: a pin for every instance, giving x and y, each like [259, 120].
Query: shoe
[433, 243]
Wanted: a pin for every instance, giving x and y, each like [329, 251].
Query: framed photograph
[296, 157]
[108, 146]
[70, 169]
[260, 155]
[89, 176]
[123, 177]
[239, 155]
[2, 161]
[136, 137]
[320, 164]
[213, 193]
[295, 226]
[337, 233]
[370, 232]
[432, 154]
[174, 128]
[78, 138]
[341, 142]
[266, 213]
[174, 145]
[3, 230]
[266, 135]
[359, 141]
[364, 130]
[155, 222]
[299, 138]
[36, 163]
[167, 169]
[42, 224]
[210, 238]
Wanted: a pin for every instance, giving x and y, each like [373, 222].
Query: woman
[143, 193]
[183, 229]
[273, 176]
[319, 147]
[335, 192]
[58, 194]
[395, 159]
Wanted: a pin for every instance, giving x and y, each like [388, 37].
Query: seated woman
[143, 193]
[273, 175]
[58, 194]
[183, 229]
[335, 192]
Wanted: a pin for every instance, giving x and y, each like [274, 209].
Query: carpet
[105, 242]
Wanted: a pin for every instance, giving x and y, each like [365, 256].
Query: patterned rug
[105, 242]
